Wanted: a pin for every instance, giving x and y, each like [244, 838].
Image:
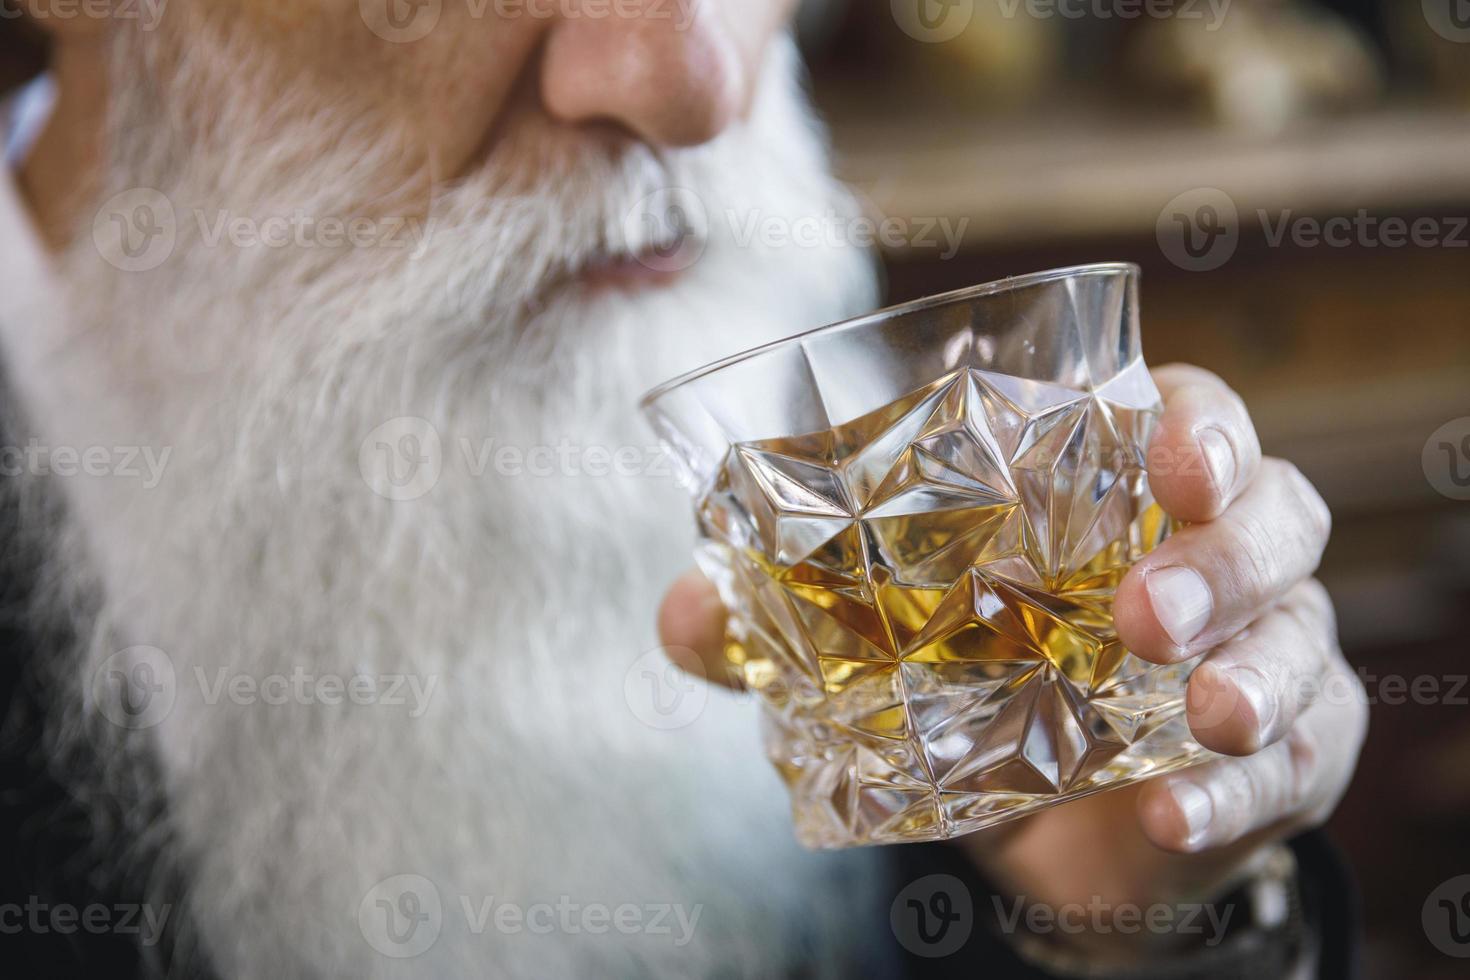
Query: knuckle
[1309, 609]
[1273, 789]
[1303, 752]
[1242, 790]
[1247, 424]
[1237, 416]
[1313, 599]
[1358, 713]
[1190, 374]
[1324, 755]
[1253, 561]
[1343, 691]
[1307, 502]
[1249, 646]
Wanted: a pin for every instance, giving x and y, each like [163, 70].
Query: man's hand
[1272, 692]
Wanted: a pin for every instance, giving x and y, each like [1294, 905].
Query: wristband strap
[1261, 933]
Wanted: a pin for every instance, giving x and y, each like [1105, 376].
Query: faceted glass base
[921, 595]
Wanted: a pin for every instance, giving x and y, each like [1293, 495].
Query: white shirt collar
[26, 271]
[24, 116]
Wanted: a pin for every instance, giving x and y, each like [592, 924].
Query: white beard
[522, 775]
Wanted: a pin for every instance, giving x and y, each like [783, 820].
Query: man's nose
[673, 79]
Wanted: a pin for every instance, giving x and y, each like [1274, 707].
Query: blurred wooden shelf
[1073, 173]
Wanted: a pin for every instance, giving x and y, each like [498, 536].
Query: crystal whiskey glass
[917, 520]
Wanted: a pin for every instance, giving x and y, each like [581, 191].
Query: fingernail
[1181, 601]
[1197, 809]
[1252, 686]
[1219, 458]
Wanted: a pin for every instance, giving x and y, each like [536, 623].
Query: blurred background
[1294, 179]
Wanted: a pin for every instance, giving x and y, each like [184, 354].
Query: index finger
[1204, 452]
[691, 627]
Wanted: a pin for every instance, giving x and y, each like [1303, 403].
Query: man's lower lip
[651, 269]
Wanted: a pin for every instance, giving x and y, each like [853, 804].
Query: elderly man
[315, 315]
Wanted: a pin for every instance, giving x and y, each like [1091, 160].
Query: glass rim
[994, 287]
